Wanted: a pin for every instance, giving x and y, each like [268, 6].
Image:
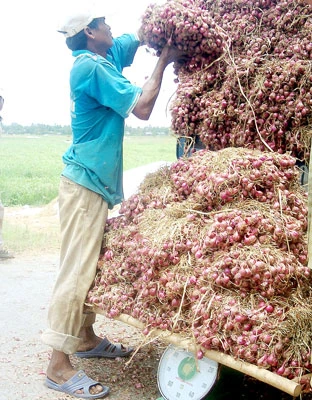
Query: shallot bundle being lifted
[192, 255]
[256, 92]
[184, 25]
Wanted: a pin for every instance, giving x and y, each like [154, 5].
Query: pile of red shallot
[184, 25]
[247, 82]
[214, 248]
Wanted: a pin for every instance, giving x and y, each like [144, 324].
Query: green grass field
[30, 166]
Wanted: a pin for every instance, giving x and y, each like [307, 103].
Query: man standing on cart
[91, 183]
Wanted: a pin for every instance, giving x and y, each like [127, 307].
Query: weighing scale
[182, 377]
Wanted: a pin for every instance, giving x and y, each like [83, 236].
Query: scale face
[182, 377]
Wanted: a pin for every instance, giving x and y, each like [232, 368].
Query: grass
[30, 166]
[20, 237]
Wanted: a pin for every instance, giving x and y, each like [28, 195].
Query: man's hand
[172, 54]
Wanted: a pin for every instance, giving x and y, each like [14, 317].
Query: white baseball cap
[77, 22]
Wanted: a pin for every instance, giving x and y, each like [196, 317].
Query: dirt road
[25, 288]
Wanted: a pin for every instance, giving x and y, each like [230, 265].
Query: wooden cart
[291, 387]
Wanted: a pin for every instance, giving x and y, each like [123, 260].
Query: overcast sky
[35, 61]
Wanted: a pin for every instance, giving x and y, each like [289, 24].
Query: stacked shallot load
[254, 88]
[214, 248]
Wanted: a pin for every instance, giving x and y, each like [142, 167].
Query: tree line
[42, 129]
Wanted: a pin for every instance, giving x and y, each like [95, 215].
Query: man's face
[103, 35]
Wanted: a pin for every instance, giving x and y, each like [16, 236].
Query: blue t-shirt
[101, 99]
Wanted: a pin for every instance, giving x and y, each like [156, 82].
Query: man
[4, 254]
[1, 106]
[186, 146]
[91, 183]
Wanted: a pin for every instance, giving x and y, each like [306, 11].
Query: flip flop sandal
[106, 349]
[80, 381]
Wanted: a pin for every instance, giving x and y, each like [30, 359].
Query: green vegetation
[29, 231]
[30, 165]
[42, 129]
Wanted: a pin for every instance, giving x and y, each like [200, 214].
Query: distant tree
[37, 129]
[147, 130]
[43, 129]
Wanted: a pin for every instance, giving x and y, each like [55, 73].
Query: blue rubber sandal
[80, 381]
[106, 349]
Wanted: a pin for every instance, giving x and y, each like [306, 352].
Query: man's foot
[81, 386]
[5, 254]
[61, 374]
[106, 349]
[93, 346]
[89, 340]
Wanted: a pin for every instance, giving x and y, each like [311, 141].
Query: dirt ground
[25, 288]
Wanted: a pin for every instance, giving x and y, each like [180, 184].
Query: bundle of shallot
[253, 88]
[184, 25]
[214, 247]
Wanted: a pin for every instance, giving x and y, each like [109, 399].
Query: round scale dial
[182, 377]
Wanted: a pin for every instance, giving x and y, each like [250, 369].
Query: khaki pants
[83, 215]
